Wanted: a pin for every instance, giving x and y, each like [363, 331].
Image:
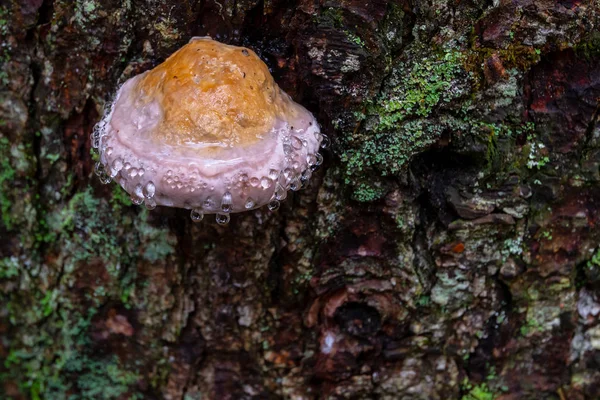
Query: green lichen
[120, 198]
[7, 175]
[9, 267]
[354, 38]
[158, 242]
[102, 379]
[589, 47]
[417, 88]
[5, 51]
[368, 191]
[56, 360]
[332, 16]
[515, 56]
[399, 122]
[45, 375]
[538, 156]
[478, 392]
[87, 222]
[512, 247]
[86, 11]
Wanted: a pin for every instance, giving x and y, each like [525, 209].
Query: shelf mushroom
[207, 130]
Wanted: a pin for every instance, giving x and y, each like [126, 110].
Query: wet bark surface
[448, 248]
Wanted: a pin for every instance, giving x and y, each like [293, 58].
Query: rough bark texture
[448, 249]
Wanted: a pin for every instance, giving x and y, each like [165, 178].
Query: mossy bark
[449, 247]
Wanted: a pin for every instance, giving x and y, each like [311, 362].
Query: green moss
[417, 88]
[590, 47]
[334, 17]
[9, 267]
[515, 56]
[331, 16]
[531, 326]
[158, 243]
[119, 198]
[368, 191]
[89, 224]
[71, 370]
[5, 17]
[479, 392]
[103, 379]
[388, 152]
[399, 122]
[7, 176]
[354, 38]
[591, 269]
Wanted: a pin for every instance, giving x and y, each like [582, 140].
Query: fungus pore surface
[207, 130]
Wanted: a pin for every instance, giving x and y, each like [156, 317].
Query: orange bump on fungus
[207, 130]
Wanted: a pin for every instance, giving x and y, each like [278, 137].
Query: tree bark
[448, 248]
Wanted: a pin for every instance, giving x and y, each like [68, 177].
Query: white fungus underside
[239, 179]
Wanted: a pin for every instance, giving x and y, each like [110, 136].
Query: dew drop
[196, 215]
[249, 203]
[99, 168]
[245, 52]
[295, 185]
[117, 165]
[208, 204]
[226, 202]
[306, 174]
[243, 178]
[127, 166]
[105, 179]
[254, 182]
[280, 192]
[273, 205]
[139, 192]
[137, 200]
[326, 142]
[273, 174]
[311, 160]
[95, 139]
[287, 173]
[150, 204]
[265, 182]
[108, 151]
[149, 190]
[296, 142]
[287, 149]
[222, 219]
[319, 159]
[141, 172]
[133, 172]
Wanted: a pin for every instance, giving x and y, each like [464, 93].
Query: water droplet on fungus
[196, 215]
[222, 219]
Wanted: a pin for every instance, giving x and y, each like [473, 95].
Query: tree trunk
[448, 248]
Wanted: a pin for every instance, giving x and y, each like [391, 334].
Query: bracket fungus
[207, 130]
